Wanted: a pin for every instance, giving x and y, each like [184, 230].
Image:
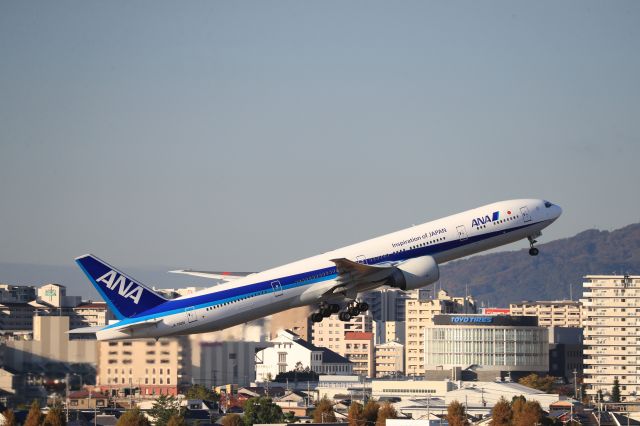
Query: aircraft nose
[557, 211]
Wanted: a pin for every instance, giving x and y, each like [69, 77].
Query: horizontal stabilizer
[86, 330]
[214, 275]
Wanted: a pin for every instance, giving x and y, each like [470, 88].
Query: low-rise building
[486, 346]
[410, 388]
[289, 352]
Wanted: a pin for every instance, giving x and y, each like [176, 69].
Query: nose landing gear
[532, 251]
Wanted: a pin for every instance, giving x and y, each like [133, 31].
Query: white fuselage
[306, 282]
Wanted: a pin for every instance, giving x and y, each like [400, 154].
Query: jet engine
[415, 273]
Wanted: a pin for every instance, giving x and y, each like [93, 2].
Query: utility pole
[67, 392]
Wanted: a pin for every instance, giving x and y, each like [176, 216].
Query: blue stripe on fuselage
[293, 281]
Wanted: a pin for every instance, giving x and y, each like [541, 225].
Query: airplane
[407, 259]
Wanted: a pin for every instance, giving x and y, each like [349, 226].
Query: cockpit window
[547, 204]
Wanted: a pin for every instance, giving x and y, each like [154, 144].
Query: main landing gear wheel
[532, 251]
[344, 316]
[317, 317]
[363, 306]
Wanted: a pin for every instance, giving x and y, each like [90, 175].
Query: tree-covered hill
[501, 278]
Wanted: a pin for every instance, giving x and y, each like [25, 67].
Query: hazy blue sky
[241, 135]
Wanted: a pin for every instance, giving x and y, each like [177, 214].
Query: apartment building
[611, 305]
[359, 348]
[390, 331]
[389, 359]
[17, 293]
[91, 314]
[387, 304]
[420, 314]
[554, 313]
[146, 366]
[331, 331]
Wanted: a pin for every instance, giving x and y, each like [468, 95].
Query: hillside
[500, 278]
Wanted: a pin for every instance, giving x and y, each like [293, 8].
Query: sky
[243, 135]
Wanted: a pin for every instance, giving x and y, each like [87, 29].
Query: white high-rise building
[612, 334]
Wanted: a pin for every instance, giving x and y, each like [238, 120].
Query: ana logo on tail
[129, 290]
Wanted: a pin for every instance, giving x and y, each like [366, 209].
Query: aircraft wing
[354, 277]
[214, 275]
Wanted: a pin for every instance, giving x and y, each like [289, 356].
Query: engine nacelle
[415, 273]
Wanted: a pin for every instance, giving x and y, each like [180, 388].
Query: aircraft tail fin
[125, 296]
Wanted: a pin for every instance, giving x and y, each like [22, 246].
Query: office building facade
[487, 343]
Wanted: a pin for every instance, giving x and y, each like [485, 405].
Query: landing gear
[353, 310]
[325, 311]
[344, 316]
[532, 251]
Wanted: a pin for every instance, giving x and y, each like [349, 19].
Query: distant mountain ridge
[497, 278]
[506, 277]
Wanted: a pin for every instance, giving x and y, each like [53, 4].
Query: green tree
[290, 417]
[201, 392]
[261, 410]
[232, 420]
[456, 415]
[615, 391]
[9, 417]
[370, 412]
[355, 416]
[501, 413]
[34, 418]
[544, 384]
[323, 413]
[55, 417]
[387, 411]
[133, 417]
[164, 408]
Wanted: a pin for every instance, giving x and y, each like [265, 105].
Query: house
[290, 352]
